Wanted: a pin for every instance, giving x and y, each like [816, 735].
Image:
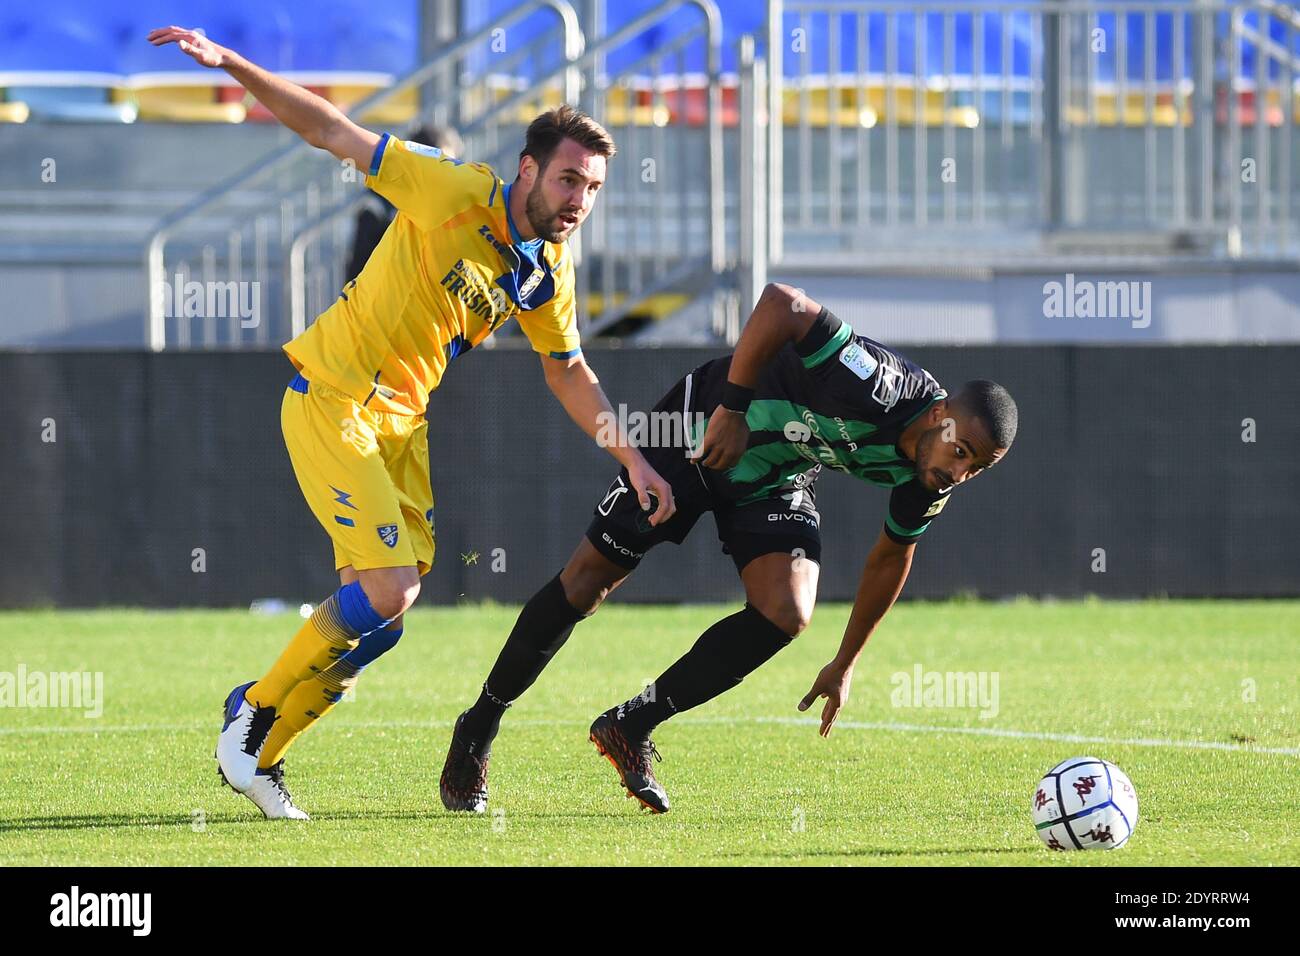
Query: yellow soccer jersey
[450, 269]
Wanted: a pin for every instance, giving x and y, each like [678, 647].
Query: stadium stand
[1125, 151]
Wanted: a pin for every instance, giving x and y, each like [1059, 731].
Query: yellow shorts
[365, 476]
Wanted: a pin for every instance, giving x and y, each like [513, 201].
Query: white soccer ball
[1085, 803]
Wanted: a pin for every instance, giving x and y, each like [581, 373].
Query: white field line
[89, 728]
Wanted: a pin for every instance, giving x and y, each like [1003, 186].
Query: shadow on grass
[91, 821]
[886, 852]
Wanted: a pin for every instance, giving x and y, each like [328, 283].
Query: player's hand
[648, 483]
[192, 43]
[725, 440]
[832, 683]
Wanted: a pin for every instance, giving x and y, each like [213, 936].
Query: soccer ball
[1085, 803]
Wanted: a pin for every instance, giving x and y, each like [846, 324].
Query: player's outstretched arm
[882, 581]
[312, 117]
[782, 315]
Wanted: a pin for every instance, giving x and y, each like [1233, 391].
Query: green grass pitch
[1197, 701]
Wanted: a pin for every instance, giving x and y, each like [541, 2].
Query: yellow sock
[307, 703]
[322, 640]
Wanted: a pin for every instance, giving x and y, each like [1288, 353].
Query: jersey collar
[526, 247]
[530, 282]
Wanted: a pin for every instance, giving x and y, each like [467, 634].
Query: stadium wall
[162, 480]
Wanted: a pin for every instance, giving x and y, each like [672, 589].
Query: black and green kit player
[801, 394]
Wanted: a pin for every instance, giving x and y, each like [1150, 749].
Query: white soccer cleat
[272, 797]
[242, 735]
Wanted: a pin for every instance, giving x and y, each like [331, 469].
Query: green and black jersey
[834, 400]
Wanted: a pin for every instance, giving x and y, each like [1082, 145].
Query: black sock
[722, 657]
[543, 626]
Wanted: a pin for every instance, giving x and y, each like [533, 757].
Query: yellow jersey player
[465, 253]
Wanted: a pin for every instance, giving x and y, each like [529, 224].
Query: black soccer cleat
[463, 785]
[631, 758]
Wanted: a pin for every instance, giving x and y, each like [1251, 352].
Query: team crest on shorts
[388, 534]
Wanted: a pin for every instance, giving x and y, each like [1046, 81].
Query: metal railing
[249, 223]
[751, 266]
[1019, 127]
[661, 224]
[484, 105]
[647, 234]
[284, 221]
[1269, 201]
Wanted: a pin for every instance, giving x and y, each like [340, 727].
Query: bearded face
[563, 191]
[554, 222]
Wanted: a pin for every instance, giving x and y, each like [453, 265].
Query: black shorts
[786, 521]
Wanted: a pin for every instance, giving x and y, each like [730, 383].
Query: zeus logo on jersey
[501, 247]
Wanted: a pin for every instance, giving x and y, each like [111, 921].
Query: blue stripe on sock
[356, 610]
[373, 646]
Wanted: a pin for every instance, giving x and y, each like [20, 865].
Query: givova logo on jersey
[889, 385]
[894, 385]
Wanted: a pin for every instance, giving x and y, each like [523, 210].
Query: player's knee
[789, 613]
[587, 580]
[584, 589]
[392, 592]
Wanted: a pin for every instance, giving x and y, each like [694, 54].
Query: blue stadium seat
[261, 32]
[60, 66]
[62, 57]
[47, 43]
[59, 37]
[356, 37]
